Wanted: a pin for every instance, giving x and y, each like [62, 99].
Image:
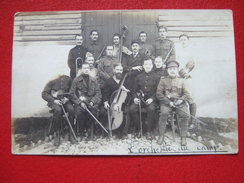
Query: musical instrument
[77, 65]
[124, 32]
[60, 95]
[87, 105]
[117, 100]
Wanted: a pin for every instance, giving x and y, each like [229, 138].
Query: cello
[118, 97]
[116, 110]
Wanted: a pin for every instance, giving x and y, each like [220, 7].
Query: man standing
[133, 63]
[185, 55]
[77, 56]
[163, 46]
[119, 50]
[55, 93]
[146, 48]
[173, 95]
[105, 66]
[93, 45]
[86, 95]
[144, 94]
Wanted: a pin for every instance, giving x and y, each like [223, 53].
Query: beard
[118, 75]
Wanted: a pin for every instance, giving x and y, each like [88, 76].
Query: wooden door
[107, 23]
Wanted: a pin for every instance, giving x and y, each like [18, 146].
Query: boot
[149, 136]
[183, 141]
[57, 139]
[160, 140]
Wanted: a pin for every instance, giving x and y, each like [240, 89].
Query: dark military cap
[172, 64]
[135, 41]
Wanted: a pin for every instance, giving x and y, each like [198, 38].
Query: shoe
[160, 140]
[149, 136]
[183, 141]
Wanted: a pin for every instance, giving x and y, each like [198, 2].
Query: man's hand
[58, 102]
[178, 102]
[171, 104]
[136, 100]
[116, 107]
[83, 105]
[106, 105]
[125, 89]
[82, 98]
[126, 50]
[64, 100]
[137, 68]
[91, 104]
[149, 101]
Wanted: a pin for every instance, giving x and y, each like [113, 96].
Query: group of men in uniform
[153, 82]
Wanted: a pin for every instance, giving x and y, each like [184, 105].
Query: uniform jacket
[169, 89]
[91, 92]
[105, 67]
[163, 47]
[74, 53]
[95, 48]
[62, 83]
[147, 83]
[146, 49]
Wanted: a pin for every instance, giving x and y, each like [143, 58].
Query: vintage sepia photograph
[124, 82]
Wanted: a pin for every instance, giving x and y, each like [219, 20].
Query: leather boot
[57, 139]
[160, 140]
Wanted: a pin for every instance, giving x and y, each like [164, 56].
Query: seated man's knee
[134, 108]
[151, 107]
[164, 110]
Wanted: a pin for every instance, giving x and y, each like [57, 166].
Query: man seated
[145, 86]
[56, 94]
[86, 95]
[173, 95]
[109, 92]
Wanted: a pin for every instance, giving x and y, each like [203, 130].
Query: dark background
[197, 168]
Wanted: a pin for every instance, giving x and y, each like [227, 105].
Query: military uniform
[105, 68]
[62, 85]
[146, 49]
[163, 47]
[95, 48]
[169, 90]
[144, 88]
[85, 89]
[74, 53]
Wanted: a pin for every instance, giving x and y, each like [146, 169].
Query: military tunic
[163, 47]
[105, 68]
[95, 48]
[146, 49]
[61, 84]
[170, 90]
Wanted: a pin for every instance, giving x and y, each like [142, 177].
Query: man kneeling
[173, 95]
